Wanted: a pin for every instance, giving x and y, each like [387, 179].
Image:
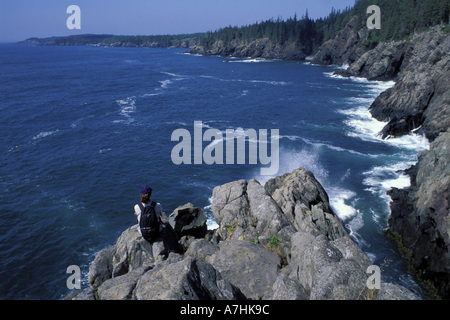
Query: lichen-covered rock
[131, 252]
[259, 255]
[245, 211]
[250, 267]
[305, 203]
[188, 220]
[331, 270]
[188, 279]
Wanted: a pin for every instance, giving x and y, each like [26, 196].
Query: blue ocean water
[82, 128]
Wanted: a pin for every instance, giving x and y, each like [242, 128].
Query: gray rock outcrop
[188, 220]
[259, 48]
[304, 201]
[419, 101]
[421, 215]
[260, 251]
[344, 48]
[420, 66]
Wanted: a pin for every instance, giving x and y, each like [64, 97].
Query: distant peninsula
[109, 40]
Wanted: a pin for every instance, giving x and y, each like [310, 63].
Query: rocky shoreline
[419, 102]
[259, 48]
[278, 242]
[283, 241]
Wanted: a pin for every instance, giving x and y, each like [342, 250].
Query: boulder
[230, 203]
[188, 279]
[248, 266]
[268, 218]
[101, 269]
[391, 291]
[201, 249]
[246, 211]
[305, 203]
[88, 294]
[188, 220]
[331, 270]
[285, 288]
[120, 288]
[131, 252]
[259, 255]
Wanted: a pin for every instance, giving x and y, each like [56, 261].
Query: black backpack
[149, 222]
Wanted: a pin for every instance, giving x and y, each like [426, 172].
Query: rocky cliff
[420, 102]
[281, 241]
[344, 48]
[259, 48]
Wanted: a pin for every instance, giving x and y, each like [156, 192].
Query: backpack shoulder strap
[141, 207]
[153, 205]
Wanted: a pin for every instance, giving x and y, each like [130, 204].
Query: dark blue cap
[146, 189]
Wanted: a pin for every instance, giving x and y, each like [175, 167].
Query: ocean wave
[354, 225]
[249, 60]
[292, 160]
[375, 86]
[333, 75]
[150, 94]
[210, 220]
[274, 83]
[339, 201]
[127, 108]
[45, 134]
[363, 126]
[177, 76]
[320, 144]
[165, 83]
[380, 179]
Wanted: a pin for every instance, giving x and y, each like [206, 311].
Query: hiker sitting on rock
[148, 214]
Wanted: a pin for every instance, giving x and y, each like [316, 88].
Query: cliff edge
[278, 242]
[419, 102]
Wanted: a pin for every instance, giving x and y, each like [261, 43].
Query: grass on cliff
[407, 254]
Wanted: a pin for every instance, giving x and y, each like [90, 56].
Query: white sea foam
[210, 222]
[171, 74]
[333, 75]
[256, 60]
[165, 83]
[319, 144]
[380, 179]
[101, 151]
[127, 107]
[363, 126]
[274, 83]
[45, 134]
[291, 160]
[354, 225]
[151, 94]
[339, 201]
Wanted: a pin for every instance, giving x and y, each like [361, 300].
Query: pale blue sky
[21, 19]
